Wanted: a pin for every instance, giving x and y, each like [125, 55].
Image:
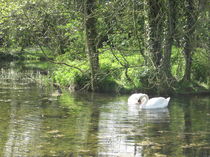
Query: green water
[34, 122]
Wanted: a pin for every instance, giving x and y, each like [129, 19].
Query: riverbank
[75, 76]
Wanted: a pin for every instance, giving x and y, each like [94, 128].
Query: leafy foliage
[178, 63]
[201, 66]
[125, 40]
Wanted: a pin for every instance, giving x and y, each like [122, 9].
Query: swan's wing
[158, 102]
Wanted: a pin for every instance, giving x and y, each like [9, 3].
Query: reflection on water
[34, 122]
[119, 128]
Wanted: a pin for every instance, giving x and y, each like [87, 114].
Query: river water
[35, 122]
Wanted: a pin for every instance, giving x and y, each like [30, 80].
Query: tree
[189, 36]
[91, 46]
[170, 32]
[156, 20]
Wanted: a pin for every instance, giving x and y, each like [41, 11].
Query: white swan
[146, 103]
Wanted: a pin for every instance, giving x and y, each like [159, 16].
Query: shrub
[68, 76]
[201, 66]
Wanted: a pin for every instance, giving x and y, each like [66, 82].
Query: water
[34, 122]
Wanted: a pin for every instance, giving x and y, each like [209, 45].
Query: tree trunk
[156, 30]
[171, 21]
[91, 34]
[188, 38]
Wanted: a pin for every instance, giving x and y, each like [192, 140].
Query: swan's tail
[168, 99]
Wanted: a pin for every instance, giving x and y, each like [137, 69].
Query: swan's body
[145, 103]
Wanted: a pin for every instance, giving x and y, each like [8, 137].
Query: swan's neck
[146, 99]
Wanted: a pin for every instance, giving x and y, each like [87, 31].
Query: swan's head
[136, 98]
[142, 99]
[139, 101]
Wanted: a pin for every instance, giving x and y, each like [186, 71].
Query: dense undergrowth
[128, 73]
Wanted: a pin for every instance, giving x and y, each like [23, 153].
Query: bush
[177, 63]
[68, 76]
[201, 66]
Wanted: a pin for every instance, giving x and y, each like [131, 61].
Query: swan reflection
[119, 131]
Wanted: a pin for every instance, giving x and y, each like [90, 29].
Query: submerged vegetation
[112, 46]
